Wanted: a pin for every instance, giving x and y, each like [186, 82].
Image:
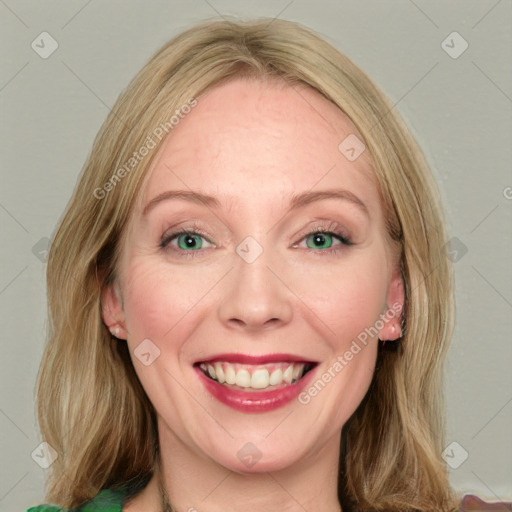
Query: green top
[107, 500]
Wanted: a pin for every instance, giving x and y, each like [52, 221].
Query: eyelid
[175, 234]
[326, 226]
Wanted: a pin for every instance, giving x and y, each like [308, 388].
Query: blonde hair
[92, 408]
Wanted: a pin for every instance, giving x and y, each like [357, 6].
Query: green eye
[326, 241]
[319, 240]
[189, 241]
[186, 243]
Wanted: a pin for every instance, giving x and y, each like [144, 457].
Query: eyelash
[332, 230]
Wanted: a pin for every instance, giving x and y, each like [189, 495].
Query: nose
[255, 297]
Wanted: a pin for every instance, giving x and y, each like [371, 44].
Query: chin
[259, 455]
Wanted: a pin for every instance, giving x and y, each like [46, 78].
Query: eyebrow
[297, 200]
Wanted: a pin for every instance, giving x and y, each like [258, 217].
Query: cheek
[156, 298]
[347, 298]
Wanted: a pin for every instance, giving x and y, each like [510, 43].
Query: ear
[393, 314]
[112, 311]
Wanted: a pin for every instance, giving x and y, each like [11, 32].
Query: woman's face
[248, 294]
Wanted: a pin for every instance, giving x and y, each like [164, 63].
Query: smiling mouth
[256, 377]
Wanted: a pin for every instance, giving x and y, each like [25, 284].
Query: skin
[252, 145]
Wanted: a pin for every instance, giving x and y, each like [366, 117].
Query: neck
[194, 483]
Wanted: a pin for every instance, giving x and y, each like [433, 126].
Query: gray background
[458, 108]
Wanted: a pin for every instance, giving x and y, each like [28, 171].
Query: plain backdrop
[457, 101]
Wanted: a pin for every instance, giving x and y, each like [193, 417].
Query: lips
[254, 383]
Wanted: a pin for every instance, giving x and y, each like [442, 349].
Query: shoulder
[107, 500]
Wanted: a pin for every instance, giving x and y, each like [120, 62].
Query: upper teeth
[257, 377]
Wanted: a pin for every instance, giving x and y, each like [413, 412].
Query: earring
[115, 332]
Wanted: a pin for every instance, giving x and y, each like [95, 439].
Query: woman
[249, 296]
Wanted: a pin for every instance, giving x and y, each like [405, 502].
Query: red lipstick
[255, 401]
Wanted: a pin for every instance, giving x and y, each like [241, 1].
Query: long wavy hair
[92, 409]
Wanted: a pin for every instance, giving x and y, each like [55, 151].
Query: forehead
[265, 140]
